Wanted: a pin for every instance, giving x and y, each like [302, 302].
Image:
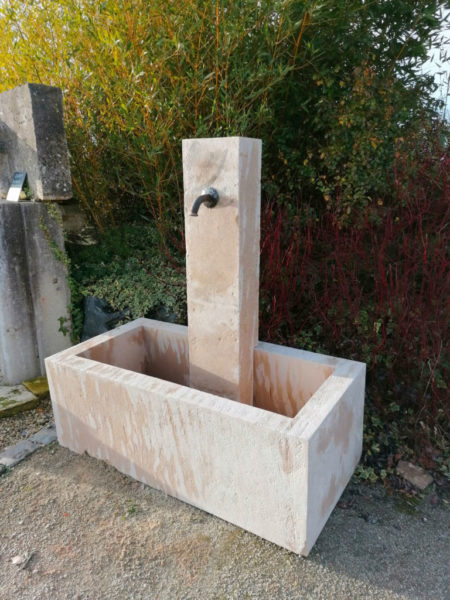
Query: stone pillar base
[34, 294]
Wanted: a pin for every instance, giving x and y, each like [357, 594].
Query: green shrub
[127, 269]
[330, 87]
[375, 290]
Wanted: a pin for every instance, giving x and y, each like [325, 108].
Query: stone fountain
[263, 436]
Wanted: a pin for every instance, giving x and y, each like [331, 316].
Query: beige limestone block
[414, 474]
[222, 264]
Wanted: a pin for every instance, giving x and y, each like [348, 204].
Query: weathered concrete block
[33, 139]
[34, 293]
[48, 278]
[19, 358]
[222, 263]
[276, 468]
[14, 454]
[44, 436]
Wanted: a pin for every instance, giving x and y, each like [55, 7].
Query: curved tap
[209, 197]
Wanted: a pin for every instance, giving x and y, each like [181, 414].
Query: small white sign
[16, 186]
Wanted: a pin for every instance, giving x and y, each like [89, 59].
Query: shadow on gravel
[373, 538]
[98, 535]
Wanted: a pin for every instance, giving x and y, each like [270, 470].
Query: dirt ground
[22, 425]
[87, 532]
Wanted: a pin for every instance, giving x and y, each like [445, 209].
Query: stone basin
[275, 468]
[263, 436]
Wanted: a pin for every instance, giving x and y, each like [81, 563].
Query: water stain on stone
[329, 499]
[287, 459]
[187, 472]
[338, 431]
[343, 427]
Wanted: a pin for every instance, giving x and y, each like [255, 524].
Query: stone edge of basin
[288, 475]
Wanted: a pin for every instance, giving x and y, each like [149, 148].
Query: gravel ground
[22, 425]
[90, 533]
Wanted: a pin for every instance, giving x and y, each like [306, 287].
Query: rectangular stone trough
[276, 468]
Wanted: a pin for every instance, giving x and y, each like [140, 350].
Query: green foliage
[330, 87]
[61, 255]
[62, 325]
[131, 508]
[373, 289]
[128, 270]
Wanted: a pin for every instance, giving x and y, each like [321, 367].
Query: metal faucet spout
[209, 197]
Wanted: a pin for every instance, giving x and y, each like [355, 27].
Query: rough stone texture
[14, 454]
[122, 397]
[33, 290]
[414, 474]
[14, 399]
[34, 140]
[19, 357]
[222, 263]
[45, 436]
[48, 279]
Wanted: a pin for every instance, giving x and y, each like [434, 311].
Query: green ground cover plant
[127, 269]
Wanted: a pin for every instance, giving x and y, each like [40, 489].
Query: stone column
[222, 264]
[34, 294]
[19, 357]
[33, 139]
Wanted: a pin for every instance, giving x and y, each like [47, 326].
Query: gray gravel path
[22, 425]
[90, 533]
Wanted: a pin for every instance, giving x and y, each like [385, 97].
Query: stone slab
[15, 399]
[47, 275]
[414, 474]
[45, 436]
[37, 386]
[12, 455]
[19, 357]
[34, 141]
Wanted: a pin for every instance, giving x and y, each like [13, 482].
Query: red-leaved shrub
[377, 290]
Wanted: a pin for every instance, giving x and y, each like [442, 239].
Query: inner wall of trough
[156, 352]
[281, 383]
[126, 351]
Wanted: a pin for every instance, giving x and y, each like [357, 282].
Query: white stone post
[222, 264]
